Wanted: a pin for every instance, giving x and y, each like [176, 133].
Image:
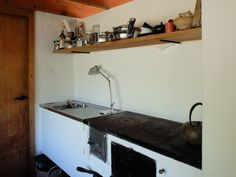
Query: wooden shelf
[178, 36]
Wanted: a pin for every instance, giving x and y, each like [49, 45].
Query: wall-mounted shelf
[178, 36]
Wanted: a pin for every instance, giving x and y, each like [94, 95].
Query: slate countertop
[157, 134]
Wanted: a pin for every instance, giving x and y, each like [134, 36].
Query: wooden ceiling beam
[91, 3]
[71, 8]
[111, 3]
[60, 7]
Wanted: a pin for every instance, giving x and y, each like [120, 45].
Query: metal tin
[118, 36]
[100, 37]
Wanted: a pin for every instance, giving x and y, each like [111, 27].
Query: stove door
[129, 163]
[98, 143]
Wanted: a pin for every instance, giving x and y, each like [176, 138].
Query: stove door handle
[94, 173]
[91, 143]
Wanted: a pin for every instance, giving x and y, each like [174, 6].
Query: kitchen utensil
[146, 25]
[87, 37]
[62, 39]
[145, 31]
[184, 21]
[192, 130]
[170, 26]
[197, 22]
[118, 36]
[56, 45]
[124, 31]
[80, 28]
[67, 25]
[93, 38]
[70, 35]
[100, 37]
[80, 42]
[131, 27]
[96, 29]
[137, 31]
[120, 29]
[156, 29]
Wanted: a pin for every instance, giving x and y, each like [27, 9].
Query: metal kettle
[192, 130]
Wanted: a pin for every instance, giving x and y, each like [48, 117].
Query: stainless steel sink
[80, 109]
[70, 105]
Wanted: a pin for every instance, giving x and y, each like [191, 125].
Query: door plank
[14, 114]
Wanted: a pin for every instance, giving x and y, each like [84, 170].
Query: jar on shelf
[62, 39]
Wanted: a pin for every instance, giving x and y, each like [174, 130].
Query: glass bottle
[62, 38]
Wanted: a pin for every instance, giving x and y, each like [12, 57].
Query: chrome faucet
[97, 70]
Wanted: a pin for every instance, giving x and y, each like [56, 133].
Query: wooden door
[14, 109]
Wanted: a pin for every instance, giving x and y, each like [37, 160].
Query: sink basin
[80, 110]
[70, 106]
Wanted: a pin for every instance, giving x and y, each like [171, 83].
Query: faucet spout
[97, 70]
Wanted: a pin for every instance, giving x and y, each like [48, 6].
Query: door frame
[29, 15]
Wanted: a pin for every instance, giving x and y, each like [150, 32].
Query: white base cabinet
[172, 168]
[64, 140]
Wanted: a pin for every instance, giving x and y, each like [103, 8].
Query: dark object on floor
[43, 163]
[57, 172]
[47, 168]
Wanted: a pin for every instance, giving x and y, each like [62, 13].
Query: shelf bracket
[80, 52]
[169, 41]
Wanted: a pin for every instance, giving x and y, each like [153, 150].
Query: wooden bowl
[183, 23]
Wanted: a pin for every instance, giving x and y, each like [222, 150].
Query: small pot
[118, 36]
[100, 37]
[120, 29]
[192, 130]
[170, 26]
[184, 21]
[124, 31]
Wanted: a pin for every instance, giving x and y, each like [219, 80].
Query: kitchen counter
[157, 134]
[160, 135]
[77, 110]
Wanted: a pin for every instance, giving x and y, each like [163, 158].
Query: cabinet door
[128, 163]
[172, 168]
[64, 141]
[165, 166]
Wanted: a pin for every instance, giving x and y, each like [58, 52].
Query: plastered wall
[144, 79]
[54, 74]
[219, 142]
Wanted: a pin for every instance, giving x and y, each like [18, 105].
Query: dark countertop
[157, 134]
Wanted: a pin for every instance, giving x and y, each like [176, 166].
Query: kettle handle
[191, 111]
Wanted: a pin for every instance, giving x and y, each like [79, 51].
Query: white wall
[168, 82]
[145, 79]
[219, 142]
[54, 74]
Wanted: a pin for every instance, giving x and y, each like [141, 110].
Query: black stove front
[129, 163]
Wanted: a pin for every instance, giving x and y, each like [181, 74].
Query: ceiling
[72, 8]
